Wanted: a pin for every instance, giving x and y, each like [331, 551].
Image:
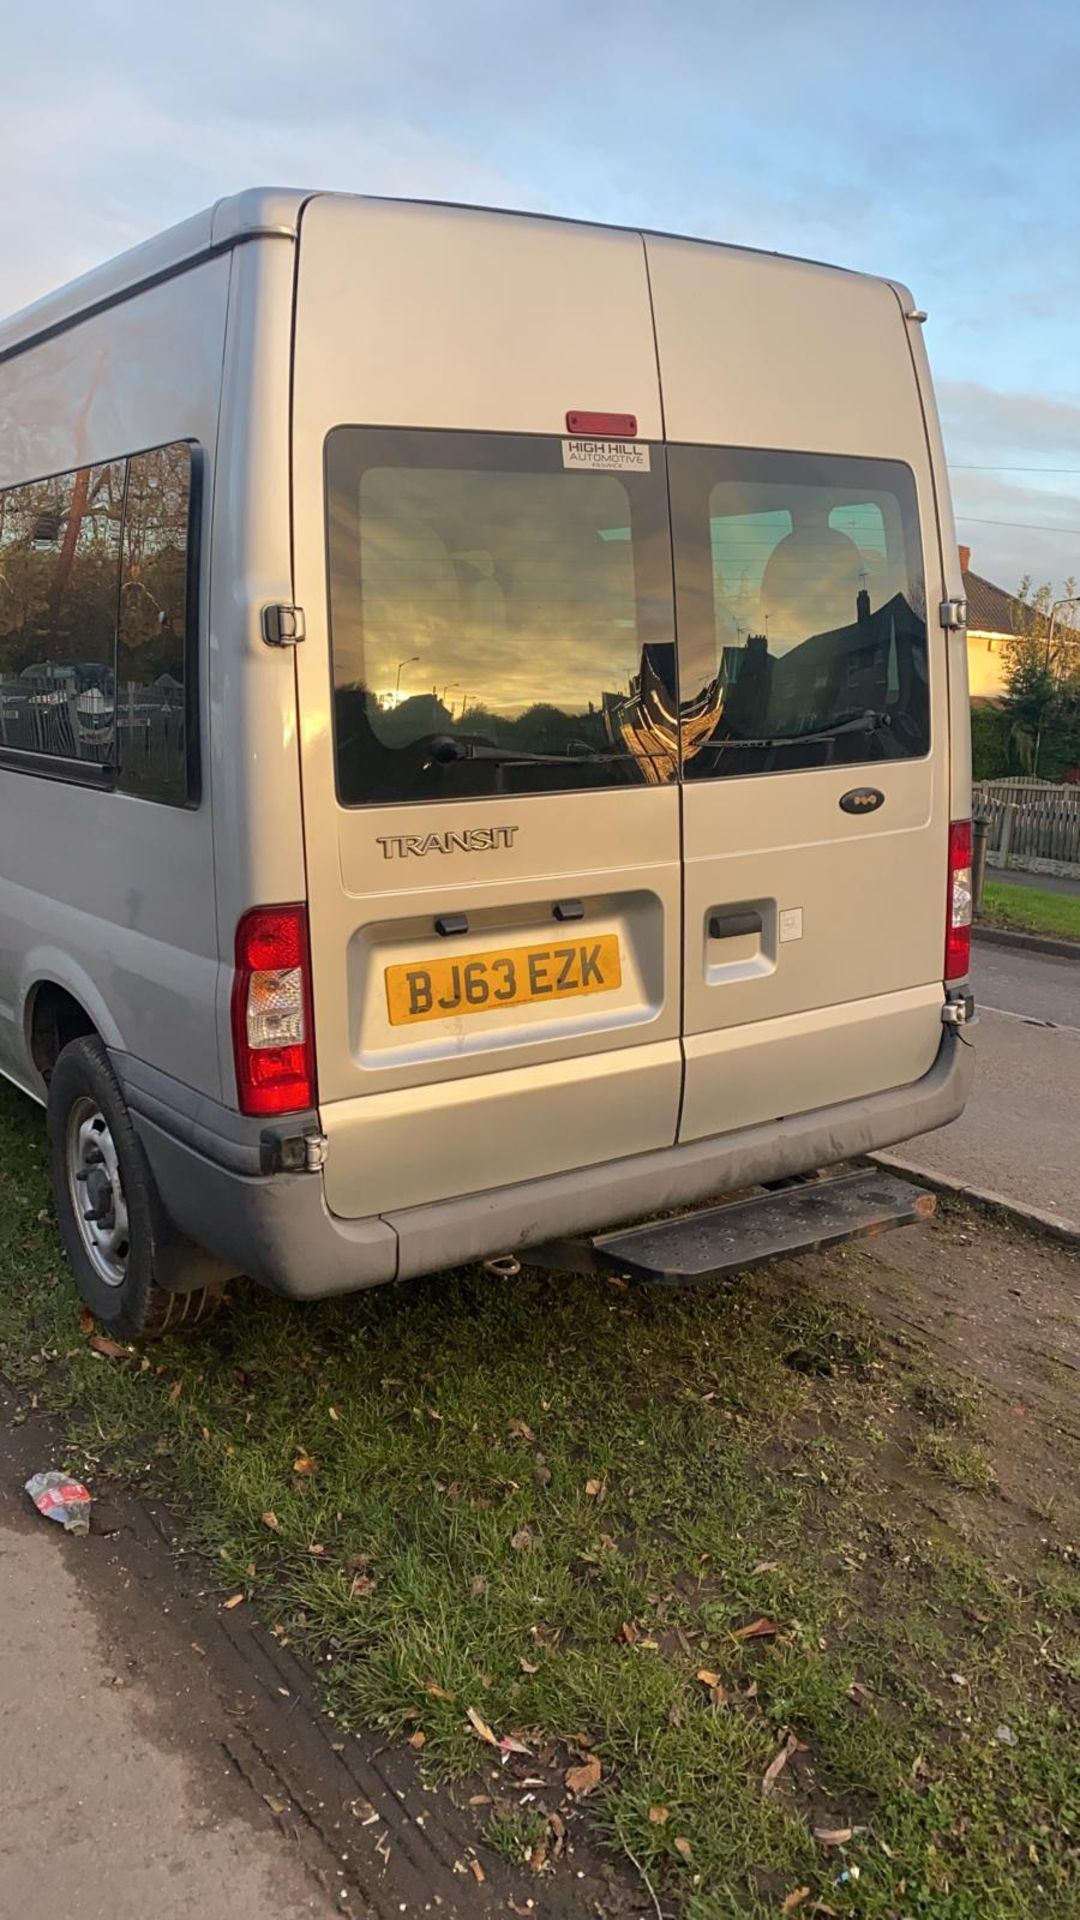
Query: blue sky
[937, 141]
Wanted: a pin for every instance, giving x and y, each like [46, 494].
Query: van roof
[256, 212]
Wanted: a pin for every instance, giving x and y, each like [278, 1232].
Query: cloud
[984, 422]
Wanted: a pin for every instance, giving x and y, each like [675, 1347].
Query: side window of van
[97, 634]
[157, 719]
[59, 555]
[801, 611]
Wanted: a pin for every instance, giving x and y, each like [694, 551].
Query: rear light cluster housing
[272, 1023]
[960, 902]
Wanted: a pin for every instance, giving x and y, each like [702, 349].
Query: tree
[1042, 701]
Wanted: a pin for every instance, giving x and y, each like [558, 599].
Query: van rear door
[813, 685]
[492, 832]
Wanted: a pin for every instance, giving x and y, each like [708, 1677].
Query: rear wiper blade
[867, 722]
[445, 752]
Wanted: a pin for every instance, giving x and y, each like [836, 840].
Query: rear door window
[499, 623]
[801, 611]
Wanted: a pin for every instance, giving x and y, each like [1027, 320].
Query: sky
[937, 142]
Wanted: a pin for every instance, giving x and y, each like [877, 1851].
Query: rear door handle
[727, 926]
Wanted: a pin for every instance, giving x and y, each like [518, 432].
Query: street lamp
[1070, 600]
[410, 662]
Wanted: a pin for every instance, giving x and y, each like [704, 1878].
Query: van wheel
[111, 1219]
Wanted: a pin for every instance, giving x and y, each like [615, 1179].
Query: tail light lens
[273, 1030]
[961, 896]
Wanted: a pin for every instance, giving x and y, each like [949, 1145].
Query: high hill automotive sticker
[606, 456]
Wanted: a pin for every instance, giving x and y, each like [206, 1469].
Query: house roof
[990, 608]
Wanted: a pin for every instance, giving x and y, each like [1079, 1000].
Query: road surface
[1020, 1136]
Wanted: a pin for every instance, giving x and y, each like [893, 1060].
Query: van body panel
[403, 1148]
[254, 750]
[122, 887]
[509, 353]
[456, 317]
[736, 1076]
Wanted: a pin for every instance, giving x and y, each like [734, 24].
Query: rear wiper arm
[445, 752]
[867, 722]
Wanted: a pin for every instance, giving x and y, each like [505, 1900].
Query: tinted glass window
[156, 719]
[59, 573]
[499, 623]
[801, 611]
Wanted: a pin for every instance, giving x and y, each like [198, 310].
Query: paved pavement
[1043, 882]
[107, 1812]
[1020, 1136]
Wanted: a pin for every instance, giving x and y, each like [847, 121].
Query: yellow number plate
[506, 977]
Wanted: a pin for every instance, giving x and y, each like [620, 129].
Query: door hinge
[282, 626]
[953, 615]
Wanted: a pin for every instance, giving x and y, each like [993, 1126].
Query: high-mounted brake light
[273, 1030]
[603, 426]
[960, 901]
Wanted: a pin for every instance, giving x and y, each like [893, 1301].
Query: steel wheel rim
[96, 1191]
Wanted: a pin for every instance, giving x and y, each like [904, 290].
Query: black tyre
[111, 1220]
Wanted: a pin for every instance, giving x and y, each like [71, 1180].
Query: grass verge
[1028, 910]
[659, 1538]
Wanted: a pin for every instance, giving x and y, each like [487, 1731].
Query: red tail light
[960, 899]
[273, 1029]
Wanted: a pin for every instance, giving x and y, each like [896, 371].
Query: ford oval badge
[862, 800]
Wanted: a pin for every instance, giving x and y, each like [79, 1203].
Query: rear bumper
[278, 1228]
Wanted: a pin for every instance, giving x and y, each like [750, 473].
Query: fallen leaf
[683, 1846]
[528, 1666]
[593, 1488]
[509, 1745]
[235, 1600]
[333, 1412]
[628, 1633]
[479, 1799]
[305, 1464]
[760, 1629]
[543, 1474]
[584, 1779]
[438, 1693]
[271, 1520]
[275, 1805]
[795, 1899]
[362, 1585]
[521, 1539]
[478, 1586]
[479, 1725]
[522, 1430]
[174, 1392]
[418, 1739]
[316, 1549]
[112, 1350]
[659, 1816]
[477, 1872]
[557, 1830]
[776, 1766]
[86, 1320]
[751, 1692]
[860, 1694]
[766, 1566]
[649, 1646]
[836, 1836]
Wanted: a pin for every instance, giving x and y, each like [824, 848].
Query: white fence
[1032, 824]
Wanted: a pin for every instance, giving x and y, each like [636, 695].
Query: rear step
[795, 1219]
